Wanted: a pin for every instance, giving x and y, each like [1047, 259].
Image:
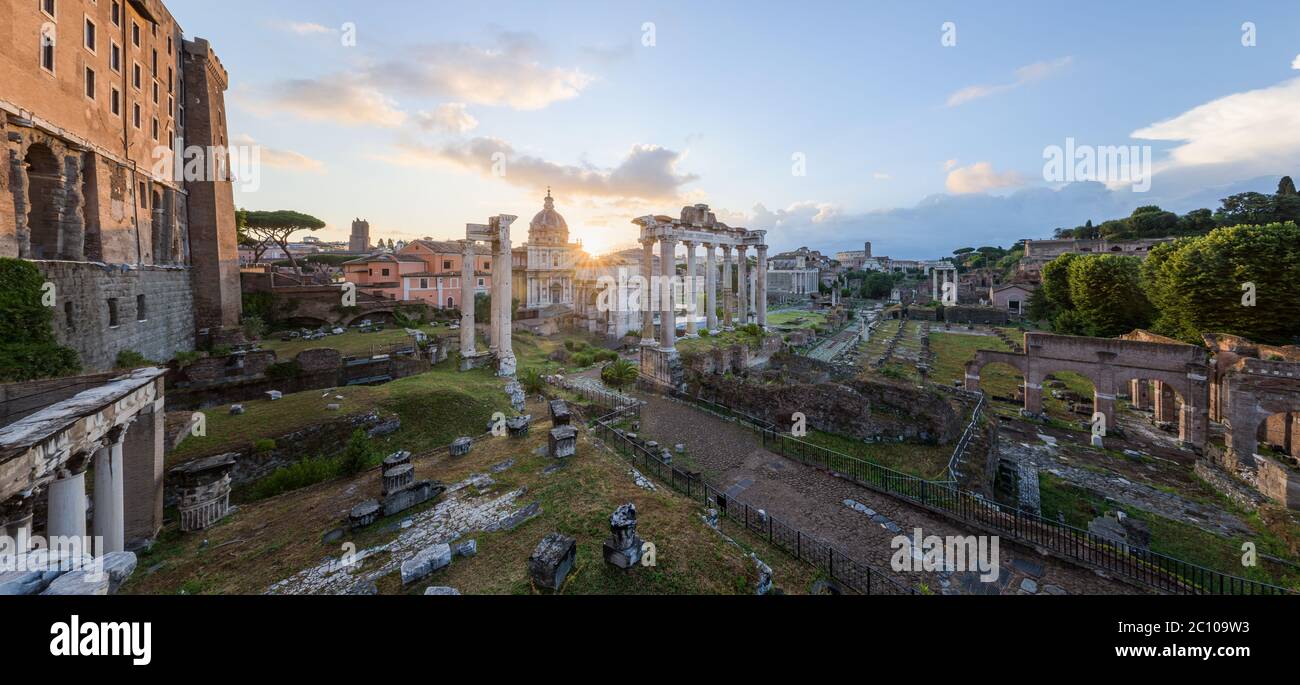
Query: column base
[506, 366]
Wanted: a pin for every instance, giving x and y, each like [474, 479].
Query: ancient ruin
[552, 561]
[203, 486]
[622, 549]
[500, 348]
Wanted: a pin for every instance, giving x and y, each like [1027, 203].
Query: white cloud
[1024, 76]
[509, 73]
[450, 118]
[882, 176]
[648, 172]
[950, 165]
[339, 99]
[305, 28]
[980, 177]
[281, 159]
[1295, 64]
[1252, 132]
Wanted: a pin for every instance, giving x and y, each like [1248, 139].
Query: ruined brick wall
[975, 314]
[864, 409]
[82, 316]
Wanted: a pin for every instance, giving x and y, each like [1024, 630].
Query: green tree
[1106, 291]
[357, 454]
[1056, 282]
[1199, 284]
[278, 227]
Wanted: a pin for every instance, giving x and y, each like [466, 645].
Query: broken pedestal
[623, 547]
[552, 561]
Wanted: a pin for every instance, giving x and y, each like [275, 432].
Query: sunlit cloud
[1024, 76]
[979, 178]
[281, 159]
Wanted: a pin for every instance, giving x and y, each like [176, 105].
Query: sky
[922, 129]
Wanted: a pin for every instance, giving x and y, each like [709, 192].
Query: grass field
[351, 343]
[264, 542]
[925, 461]
[796, 318]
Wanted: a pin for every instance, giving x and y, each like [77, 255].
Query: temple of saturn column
[497, 233]
[698, 228]
[941, 275]
[115, 430]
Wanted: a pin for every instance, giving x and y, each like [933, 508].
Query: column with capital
[648, 298]
[742, 285]
[688, 292]
[110, 517]
[711, 287]
[494, 300]
[727, 318]
[66, 499]
[667, 320]
[761, 290]
[467, 348]
[502, 281]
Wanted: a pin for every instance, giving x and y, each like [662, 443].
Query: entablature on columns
[697, 226]
[35, 448]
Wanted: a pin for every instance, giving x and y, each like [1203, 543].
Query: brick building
[427, 270]
[96, 101]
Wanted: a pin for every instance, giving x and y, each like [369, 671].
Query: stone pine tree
[278, 227]
[1243, 280]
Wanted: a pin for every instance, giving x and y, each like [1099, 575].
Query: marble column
[727, 317]
[742, 286]
[494, 301]
[667, 321]
[934, 284]
[67, 504]
[502, 278]
[688, 292]
[761, 290]
[110, 517]
[467, 348]
[711, 287]
[649, 299]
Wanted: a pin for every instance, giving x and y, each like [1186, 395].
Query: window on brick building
[47, 49]
[446, 265]
[141, 314]
[115, 101]
[90, 83]
[155, 91]
[135, 114]
[155, 60]
[112, 312]
[424, 284]
[144, 195]
[114, 56]
[385, 272]
[155, 128]
[91, 37]
[116, 13]
[47, 6]
[135, 34]
[136, 78]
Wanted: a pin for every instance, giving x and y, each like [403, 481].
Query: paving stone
[426, 561]
[1029, 585]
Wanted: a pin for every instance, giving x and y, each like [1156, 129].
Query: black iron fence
[837, 564]
[1152, 569]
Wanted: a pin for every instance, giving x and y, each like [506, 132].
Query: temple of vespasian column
[698, 228]
[497, 233]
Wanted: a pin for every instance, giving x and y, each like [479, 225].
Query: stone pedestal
[397, 459]
[563, 442]
[623, 547]
[518, 426]
[560, 415]
[398, 478]
[552, 560]
[461, 446]
[364, 514]
[204, 490]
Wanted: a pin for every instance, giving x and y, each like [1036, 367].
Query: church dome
[548, 227]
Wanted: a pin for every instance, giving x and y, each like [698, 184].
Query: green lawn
[351, 343]
[795, 319]
[924, 461]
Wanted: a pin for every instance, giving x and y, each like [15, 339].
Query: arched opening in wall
[94, 245]
[451, 303]
[1278, 436]
[557, 293]
[1068, 396]
[45, 209]
[1001, 382]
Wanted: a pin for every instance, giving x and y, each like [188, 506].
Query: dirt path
[733, 459]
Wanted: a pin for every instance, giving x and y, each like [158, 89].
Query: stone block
[426, 561]
[622, 549]
[119, 566]
[364, 514]
[417, 493]
[461, 446]
[518, 426]
[441, 590]
[562, 442]
[560, 415]
[81, 583]
[466, 549]
[552, 560]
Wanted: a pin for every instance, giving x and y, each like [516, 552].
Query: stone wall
[82, 314]
[323, 439]
[975, 314]
[860, 408]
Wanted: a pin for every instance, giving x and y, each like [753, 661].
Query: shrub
[357, 455]
[575, 345]
[531, 380]
[254, 327]
[130, 359]
[295, 476]
[606, 355]
[582, 360]
[184, 359]
[28, 349]
[264, 445]
[282, 371]
[620, 373]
